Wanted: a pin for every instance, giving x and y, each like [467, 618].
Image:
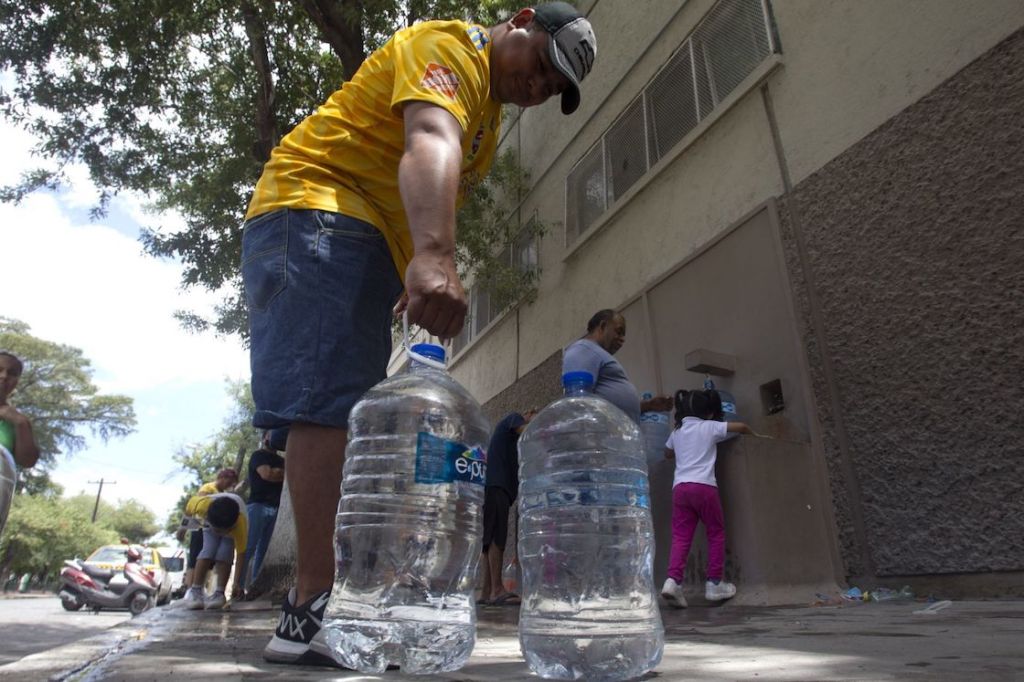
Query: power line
[120, 467]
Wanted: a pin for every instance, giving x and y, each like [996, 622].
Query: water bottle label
[728, 407]
[445, 461]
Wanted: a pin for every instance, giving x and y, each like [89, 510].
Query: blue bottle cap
[576, 378]
[429, 350]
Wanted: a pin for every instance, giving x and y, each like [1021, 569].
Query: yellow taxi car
[111, 557]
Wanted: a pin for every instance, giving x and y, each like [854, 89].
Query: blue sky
[88, 284]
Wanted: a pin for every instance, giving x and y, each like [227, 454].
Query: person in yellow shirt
[357, 203]
[225, 530]
[226, 479]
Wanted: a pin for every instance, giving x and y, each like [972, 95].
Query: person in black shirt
[502, 488]
[266, 480]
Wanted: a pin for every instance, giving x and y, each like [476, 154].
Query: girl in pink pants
[694, 446]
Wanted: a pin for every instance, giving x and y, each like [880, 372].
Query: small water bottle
[655, 428]
[408, 529]
[586, 541]
[729, 412]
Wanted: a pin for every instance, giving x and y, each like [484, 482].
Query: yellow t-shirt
[198, 505]
[208, 489]
[344, 157]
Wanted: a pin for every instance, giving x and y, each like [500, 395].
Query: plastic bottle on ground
[408, 529]
[510, 575]
[586, 540]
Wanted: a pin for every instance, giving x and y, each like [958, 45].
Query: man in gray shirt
[606, 333]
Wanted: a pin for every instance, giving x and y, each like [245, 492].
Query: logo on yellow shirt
[441, 79]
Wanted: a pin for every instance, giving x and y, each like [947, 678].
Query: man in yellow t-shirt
[225, 529]
[357, 203]
[226, 480]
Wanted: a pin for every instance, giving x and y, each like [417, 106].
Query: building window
[726, 46]
[585, 193]
[522, 254]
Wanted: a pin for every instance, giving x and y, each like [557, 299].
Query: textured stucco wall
[537, 388]
[914, 248]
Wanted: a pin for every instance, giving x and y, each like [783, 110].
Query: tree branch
[341, 26]
[266, 119]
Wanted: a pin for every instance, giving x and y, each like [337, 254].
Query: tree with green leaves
[235, 439]
[130, 519]
[133, 521]
[44, 530]
[57, 394]
[183, 102]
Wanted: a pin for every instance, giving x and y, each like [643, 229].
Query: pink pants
[693, 502]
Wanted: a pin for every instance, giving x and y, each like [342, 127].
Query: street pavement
[970, 640]
[33, 623]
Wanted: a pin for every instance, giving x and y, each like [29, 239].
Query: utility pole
[99, 492]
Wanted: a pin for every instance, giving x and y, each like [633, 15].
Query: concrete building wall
[851, 66]
[912, 252]
[891, 137]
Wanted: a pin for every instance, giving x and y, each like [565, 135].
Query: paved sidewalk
[978, 640]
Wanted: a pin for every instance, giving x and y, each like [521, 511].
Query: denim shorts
[320, 287]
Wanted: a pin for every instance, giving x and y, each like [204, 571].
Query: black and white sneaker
[298, 639]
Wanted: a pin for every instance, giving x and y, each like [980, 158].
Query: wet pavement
[977, 640]
[33, 623]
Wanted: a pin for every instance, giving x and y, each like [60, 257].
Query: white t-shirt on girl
[695, 443]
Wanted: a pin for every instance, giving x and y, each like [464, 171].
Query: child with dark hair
[225, 530]
[694, 446]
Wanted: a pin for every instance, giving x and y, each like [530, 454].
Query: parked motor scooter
[134, 588]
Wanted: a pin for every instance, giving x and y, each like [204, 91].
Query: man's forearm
[428, 178]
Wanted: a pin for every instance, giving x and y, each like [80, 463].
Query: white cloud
[78, 191]
[90, 286]
[17, 154]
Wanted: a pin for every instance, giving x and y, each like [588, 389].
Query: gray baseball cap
[573, 46]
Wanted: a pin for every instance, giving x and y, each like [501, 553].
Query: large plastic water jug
[408, 530]
[586, 541]
[655, 428]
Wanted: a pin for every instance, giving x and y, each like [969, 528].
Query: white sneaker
[192, 600]
[215, 601]
[672, 592]
[722, 590]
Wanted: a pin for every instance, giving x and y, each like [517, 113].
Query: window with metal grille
[625, 146]
[585, 193]
[671, 104]
[480, 303]
[523, 255]
[729, 43]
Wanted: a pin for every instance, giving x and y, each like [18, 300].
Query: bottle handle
[422, 359]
